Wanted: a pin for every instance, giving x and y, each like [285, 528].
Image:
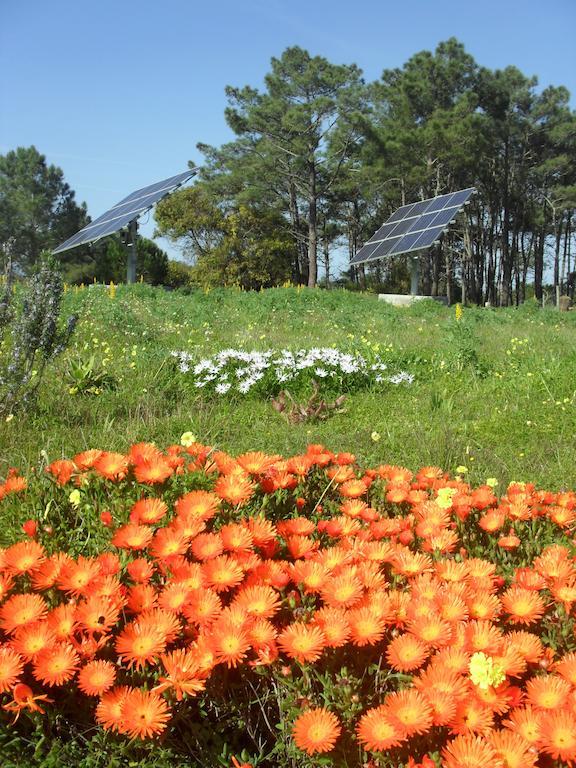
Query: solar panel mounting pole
[414, 275]
[132, 251]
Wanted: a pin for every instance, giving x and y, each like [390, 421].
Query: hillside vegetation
[493, 391]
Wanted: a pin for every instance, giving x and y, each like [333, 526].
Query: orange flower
[112, 466]
[62, 621]
[199, 504]
[406, 653]
[96, 677]
[207, 545]
[229, 643]
[23, 557]
[410, 711]
[366, 627]
[548, 691]
[236, 538]
[86, 459]
[144, 714]
[182, 674]
[527, 722]
[61, 470]
[342, 591]
[260, 601]
[512, 749]
[168, 542]
[353, 489]
[377, 732]
[11, 667]
[140, 643]
[334, 624]
[303, 642]
[559, 736]
[33, 638]
[469, 751]
[141, 597]
[140, 570]
[75, 577]
[236, 488]
[432, 630]
[24, 698]
[256, 462]
[222, 573]
[566, 667]
[316, 730]
[46, 574]
[56, 665]
[132, 536]
[524, 606]
[148, 511]
[97, 613]
[20, 610]
[109, 709]
[203, 607]
[153, 471]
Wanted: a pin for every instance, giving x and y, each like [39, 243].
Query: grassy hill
[493, 391]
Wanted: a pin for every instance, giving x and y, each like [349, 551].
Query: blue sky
[118, 92]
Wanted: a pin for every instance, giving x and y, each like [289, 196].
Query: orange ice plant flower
[235, 488]
[316, 731]
[303, 642]
[96, 677]
[23, 697]
[524, 606]
[559, 736]
[20, 610]
[406, 653]
[11, 667]
[470, 751]
[23, 557]
[140, 643]
[56, 665]
[377, 731]
[145, 714]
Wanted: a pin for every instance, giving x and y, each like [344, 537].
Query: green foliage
[30, 335]
[87, 377]
[485, 429]
[248, 248]
[37, 207]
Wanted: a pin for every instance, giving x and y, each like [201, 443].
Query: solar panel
[414, 227]
[125, 211]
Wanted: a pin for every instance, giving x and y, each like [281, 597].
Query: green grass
[495, 392]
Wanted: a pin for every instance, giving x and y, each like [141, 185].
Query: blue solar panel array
[413, 227]
[125, 211]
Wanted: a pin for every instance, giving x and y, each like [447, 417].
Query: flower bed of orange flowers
[375, 617]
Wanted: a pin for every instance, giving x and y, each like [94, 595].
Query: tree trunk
[539, 263]
[312, 226]
[295, 221]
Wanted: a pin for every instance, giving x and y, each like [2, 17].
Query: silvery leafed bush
[235, 370]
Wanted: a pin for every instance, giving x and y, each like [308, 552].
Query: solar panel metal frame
[125, 211]
[414, 227]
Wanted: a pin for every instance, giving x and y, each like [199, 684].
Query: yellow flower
[74, 498]
[492, 482]
[444, 499]
[458, 312]
[375, 436]
[461, 470]
[187, 439]
[9, 417]
[484, 672]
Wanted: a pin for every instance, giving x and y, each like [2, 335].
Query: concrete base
[405, 299]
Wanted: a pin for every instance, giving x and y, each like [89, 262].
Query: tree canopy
[330, 157]
[37, 207]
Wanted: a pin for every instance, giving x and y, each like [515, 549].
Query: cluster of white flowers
[240, 371]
